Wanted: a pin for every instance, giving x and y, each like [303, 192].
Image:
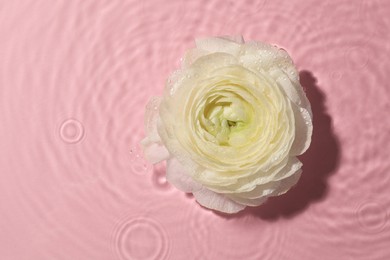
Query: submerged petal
[153, 148]
[212, 200]
[178, 177]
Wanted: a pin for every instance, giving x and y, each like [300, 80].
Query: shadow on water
[319, 162]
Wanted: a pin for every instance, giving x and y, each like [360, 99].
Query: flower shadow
[319, 162]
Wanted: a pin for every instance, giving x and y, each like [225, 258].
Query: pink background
[75, 77]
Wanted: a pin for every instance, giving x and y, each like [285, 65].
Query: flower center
[224, 118]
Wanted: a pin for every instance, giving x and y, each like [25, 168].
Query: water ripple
[141, 238]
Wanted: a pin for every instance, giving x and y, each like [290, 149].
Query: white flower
[230, 124]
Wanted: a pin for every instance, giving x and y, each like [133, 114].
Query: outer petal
[249, 202]
[287, 183]
[292, 89]
[303, 130]
[153, 148]
[192, 55]
[219, 44]
[212, 200]
[177, 176]
[263, 56]
[253, 186]
[301, 108]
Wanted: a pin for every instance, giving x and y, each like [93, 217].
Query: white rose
[230, 124]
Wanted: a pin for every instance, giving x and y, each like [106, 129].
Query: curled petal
[292, 89]
[287, 183]
[303, 130]
[248, 202]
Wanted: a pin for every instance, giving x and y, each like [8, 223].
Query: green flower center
[224, 118]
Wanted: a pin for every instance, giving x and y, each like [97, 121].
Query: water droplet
[159, 176]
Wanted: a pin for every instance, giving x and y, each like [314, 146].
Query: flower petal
[177, 176]
[218, 44]
[192, 55]
[287, 183]
[212, 200]
[248, 202]
[303, 130]
[265, 189]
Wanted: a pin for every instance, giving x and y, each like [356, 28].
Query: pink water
[75, 77]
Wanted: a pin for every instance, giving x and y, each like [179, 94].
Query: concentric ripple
[141, 238]
[372, 216]
[72, 131]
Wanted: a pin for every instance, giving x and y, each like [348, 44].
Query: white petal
[212, 200]
[287, 183]
[260, 191]
[303, 130]
[192, 55]
[249, 202]
[215, 44]
[292, 167]
[265, 189]
[211, 62]
[178, 177]
[288, 87]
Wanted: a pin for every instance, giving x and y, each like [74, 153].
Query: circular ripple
[356, 57]
[141, 238]
[72, 131]
[372, 217]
